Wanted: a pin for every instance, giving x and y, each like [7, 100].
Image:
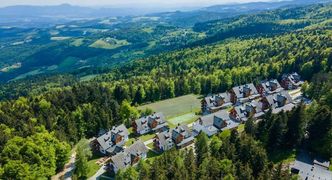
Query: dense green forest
[253, 153]
[41, 118]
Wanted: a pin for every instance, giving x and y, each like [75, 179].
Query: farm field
[175, 107]
[109, 43]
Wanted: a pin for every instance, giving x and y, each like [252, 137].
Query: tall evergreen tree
[296, 127]
[201, 148]
[250, 127]
[277, 132]
[320, 130]
[190, 164]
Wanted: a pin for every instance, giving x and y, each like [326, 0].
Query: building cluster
[112, 143]
[228, 110]
[222, 111]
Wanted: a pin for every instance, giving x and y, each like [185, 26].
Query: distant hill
[100, 43]
[41, 16]
[36, 16]
[190, 18]
[260, 6]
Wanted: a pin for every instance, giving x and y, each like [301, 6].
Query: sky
[124, 3]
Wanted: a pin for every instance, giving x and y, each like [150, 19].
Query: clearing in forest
[176, 106]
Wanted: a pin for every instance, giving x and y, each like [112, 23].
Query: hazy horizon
[127, 3]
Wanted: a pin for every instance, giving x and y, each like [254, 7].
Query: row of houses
[228, 110]
[246, 93]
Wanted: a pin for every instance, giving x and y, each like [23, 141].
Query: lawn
[176, 106]
[150, 145]
[152, 155]
[183, 119]
[93, 167]
[143, 138]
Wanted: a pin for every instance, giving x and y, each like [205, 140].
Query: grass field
[77, 42]
[176, 106]
[183, 119]
[109, 44]
[59, 38]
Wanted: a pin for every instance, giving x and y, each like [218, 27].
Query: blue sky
[142, 3]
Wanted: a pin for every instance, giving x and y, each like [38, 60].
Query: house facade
[128, 157]
[152, 123]
[182, 136]
[163, 141]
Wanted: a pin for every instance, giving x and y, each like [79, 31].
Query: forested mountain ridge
[41, 117]
[264, 24]
[110, 41]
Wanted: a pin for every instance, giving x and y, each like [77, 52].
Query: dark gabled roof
[238, 90]
[186, 140]
[137, 148]
[268, 84]
[273, 99]
[211, 101]
[209, 119]
[242, 110]
[121, 129]
[287, 107]
[105, 141]
[294, 78]
[230, 125]
[183, 130]
[123, 158]
[165, 138]
[143, 122]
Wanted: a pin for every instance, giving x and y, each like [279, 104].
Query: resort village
[219, 112]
